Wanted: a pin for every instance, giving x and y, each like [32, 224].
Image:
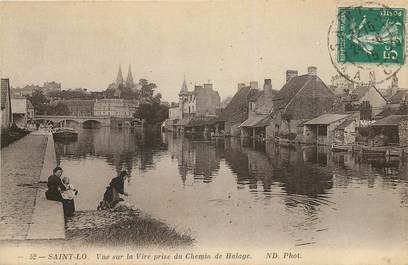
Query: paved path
[25, 212]
[21, 164]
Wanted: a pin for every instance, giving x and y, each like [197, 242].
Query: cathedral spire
[129, 79]
[184, 88]
[119, 78]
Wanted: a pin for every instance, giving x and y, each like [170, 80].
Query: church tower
[183, 97]
[129, 79]
[119, 78]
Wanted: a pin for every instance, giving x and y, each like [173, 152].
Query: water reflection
[121, 148]
[243, 191]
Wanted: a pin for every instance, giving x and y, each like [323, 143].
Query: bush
[11, 135]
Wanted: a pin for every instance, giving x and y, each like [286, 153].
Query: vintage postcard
[204, 132]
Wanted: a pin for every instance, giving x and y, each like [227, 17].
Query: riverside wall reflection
[121, 148]
[229, 190]
[302, 170]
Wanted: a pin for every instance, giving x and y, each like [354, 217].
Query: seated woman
[55, 188]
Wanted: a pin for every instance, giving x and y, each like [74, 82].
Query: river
[228, 193]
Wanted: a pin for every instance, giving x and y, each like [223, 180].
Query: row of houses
[113, 107]
[304, 110]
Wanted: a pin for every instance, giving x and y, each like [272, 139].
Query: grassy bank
[11, 135]
[122, 228]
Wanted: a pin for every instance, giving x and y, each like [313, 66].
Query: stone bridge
[80, 120]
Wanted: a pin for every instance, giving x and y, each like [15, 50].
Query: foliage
[147, 89]
[39, 101]
[11, 135]
[152, 112]
[42, 105]
[70, 94]
[58, 109]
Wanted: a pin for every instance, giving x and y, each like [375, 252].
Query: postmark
[367, 43]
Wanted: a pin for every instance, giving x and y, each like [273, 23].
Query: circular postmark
[367, 43]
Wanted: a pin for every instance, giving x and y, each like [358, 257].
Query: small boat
[393, 152]
[373, 152]
[339, 148]
[65, 133]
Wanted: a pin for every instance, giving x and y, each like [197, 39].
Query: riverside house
[236, 112]
[200, 104]
[259, 113]
[321, 130]
[301, 98]
[23, 111]
[391, 130]
[368, 93]
[6, 114]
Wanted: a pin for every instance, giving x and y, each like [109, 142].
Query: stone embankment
[25, 212]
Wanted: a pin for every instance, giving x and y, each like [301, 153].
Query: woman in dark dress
[55, 186]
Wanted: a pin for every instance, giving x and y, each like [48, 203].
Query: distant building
[203, 101]
[367, 93]
[321, 130]
[400, 97]
[120, 82]
[198, 104]
[79, 107]
[236, 112]
[174, 113]
[51, 87]
[340, 85]
[115, 107]
[29, 89]
[23, 111]
[6, 114]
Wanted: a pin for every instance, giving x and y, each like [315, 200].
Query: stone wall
[403, 133]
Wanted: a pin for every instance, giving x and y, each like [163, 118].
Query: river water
[228, 193]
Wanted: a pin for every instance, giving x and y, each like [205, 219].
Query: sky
[82, 44]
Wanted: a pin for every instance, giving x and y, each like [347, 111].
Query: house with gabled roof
[236, 112]
[401, 96]
[321, 130]
[260, 109]
[301, 98]
[366, 93]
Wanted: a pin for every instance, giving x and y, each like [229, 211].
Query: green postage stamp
[371, 35]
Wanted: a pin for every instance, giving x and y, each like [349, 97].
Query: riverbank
[27, 216]
[21, 165]
[122, 228]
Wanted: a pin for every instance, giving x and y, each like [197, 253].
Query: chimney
[267, 84]
[208, 86]
[290, 74]
[312, 70]
[240, 85]
[253, 84]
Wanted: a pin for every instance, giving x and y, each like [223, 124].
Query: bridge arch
[91, 124]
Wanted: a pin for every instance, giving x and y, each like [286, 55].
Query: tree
[58, 109]
[152, 113]
[39, 101]
[147, 89]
